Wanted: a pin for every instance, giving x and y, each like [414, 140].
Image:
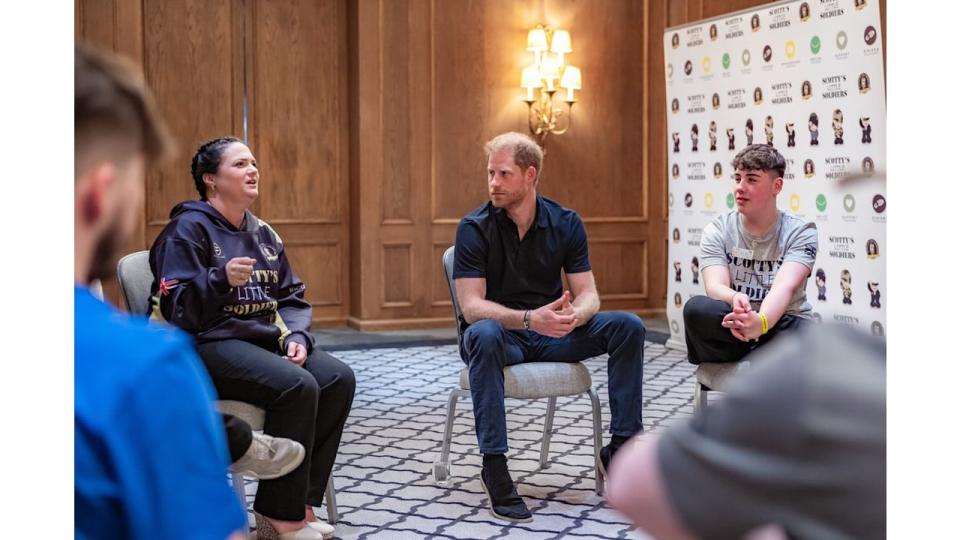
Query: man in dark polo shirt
[508, 259]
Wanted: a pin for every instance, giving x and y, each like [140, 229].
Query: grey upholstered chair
[135, 277]
[714, 376]
[532, 380]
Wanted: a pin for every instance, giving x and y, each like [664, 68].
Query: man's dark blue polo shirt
[521, 274]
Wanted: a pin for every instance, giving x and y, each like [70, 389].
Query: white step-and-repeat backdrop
[806, 77]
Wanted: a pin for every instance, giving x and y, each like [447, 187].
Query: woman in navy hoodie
[222, 274]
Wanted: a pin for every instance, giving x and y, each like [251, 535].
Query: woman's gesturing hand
[239, 270]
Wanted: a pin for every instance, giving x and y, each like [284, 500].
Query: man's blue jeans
[487, 348]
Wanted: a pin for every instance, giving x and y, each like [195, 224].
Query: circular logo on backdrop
[688, 200]
[717, 170]
[713, 32]
[676, 235]
[671, 199]
[757, 96]
[726, 60]
[755, 22]
[688, 67]
[745, 57]
[669, 70]
[730, 200]
[675, 40]
[677, 299]
[708, 200]
[806, 90]
[870, 35]
[841, 40]
[815, 44]
[715, 100]
[706, 64]
[790, 49]
[879, 203]
[821, 202]
[675, 170]
[808, 169]
[867, 166]
[849, 203]
[675, 106]
[795, 202]
[859, 4]
[804, 12]
[675, 326]
[767, 53]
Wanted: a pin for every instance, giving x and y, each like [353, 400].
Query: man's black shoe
[606, 456]
[505, 502]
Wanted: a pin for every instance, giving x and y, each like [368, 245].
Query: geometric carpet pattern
[384, 471]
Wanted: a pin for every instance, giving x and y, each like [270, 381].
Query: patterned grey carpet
[384, 473]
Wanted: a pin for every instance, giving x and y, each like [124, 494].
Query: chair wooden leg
[547, 432]
[330, 495]
[597, 441]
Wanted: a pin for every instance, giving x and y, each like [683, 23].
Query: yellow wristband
[764, 324]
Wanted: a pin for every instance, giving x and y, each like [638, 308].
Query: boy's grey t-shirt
[753, 261]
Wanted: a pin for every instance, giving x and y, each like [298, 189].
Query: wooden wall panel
[621, 265]
[297, 105]
[396, 95]
[461, 114]
[193, 62]
[397, 283]
[601, 154]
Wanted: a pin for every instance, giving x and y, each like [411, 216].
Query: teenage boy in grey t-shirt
[755, 263]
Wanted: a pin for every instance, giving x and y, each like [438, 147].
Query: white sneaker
[269, 457]
[322, 527]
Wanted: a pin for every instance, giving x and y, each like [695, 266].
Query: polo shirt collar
[541, 220]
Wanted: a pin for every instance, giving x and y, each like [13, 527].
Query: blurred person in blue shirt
[149, 451]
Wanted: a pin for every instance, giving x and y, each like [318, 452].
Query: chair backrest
[135, 277]
[448, 273]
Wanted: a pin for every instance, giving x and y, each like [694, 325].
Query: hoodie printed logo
[217, 252]
[269, 252]
[167, 285]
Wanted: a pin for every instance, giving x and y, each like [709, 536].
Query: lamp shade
[537, 40]
[550, 68]
[531, 78]
[571, 78]
[561, 42]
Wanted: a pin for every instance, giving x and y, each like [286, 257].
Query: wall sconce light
[548, 73]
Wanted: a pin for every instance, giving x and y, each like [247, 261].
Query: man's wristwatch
[526, 319]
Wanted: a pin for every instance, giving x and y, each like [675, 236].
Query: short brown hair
[526, 152]
[115, 117]
[760, 157]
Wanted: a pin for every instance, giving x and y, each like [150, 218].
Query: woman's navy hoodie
[190, 287]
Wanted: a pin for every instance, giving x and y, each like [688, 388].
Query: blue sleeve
[470, 255]
[172, 461]
[577, 258]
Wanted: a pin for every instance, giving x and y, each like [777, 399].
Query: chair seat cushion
[247, 412]
[535, 380]
[716, 376]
